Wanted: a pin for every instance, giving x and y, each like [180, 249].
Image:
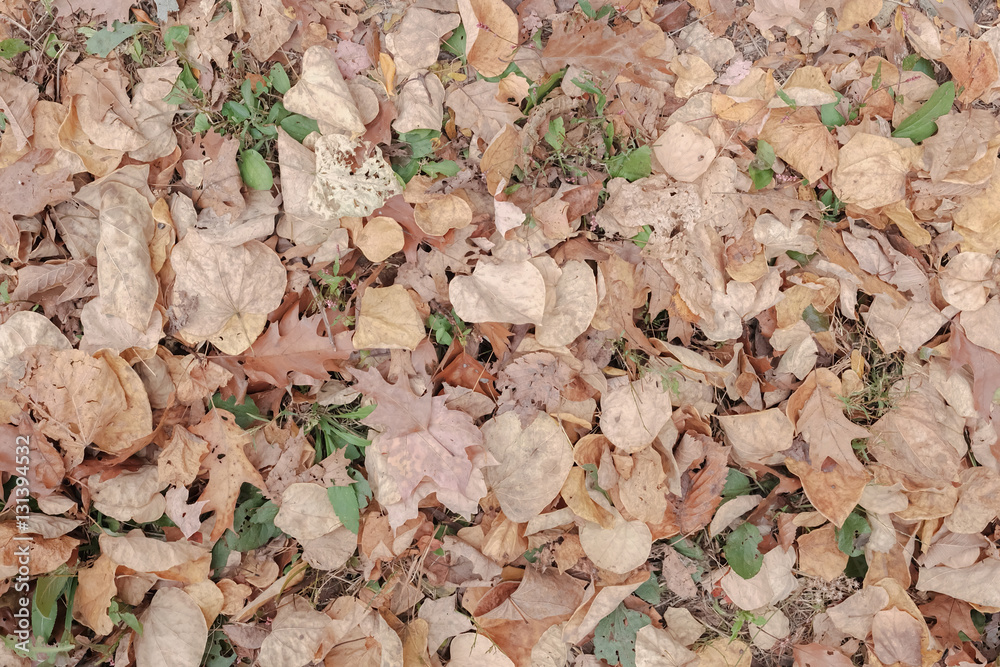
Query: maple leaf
[398, 411]
[291, 345]
[823, 425]
[425, 448]
[227, 466]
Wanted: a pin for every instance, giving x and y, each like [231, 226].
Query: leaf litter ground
[499, 333]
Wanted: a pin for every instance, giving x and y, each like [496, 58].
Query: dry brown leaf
[854, 615]
[322, 93]
[633, 413]
[533, 463]
[222, 294]
[388, 319]
[442, 214]
[800, 139]
[124, 274]
[570, 304]
[619, 549]
[174, 631]
[423, 448]
[267, 24]
[870, 172]
[380, 238]
[819, 554]
[758, 437]
[306, 512]
[684, 152]
[512, 292]
[416, 43]
[228, 467]
[491, 38]
[771, 585]
[659, 648]
[95, 590]
[290, 348]
[904, 328]
[177, 561]
[17, 99]
[897, 637]
[23, 330]
[972, 584]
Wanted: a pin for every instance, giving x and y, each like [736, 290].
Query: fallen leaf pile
[492, 333]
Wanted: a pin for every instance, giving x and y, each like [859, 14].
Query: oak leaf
[291, 347]
[227, 466]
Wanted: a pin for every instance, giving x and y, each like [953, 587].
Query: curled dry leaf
[380, 238]
[684, 152]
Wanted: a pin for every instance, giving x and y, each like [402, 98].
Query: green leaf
[829, 115]
[202, 123]
[614, 636]
[649, 590]
[855, 526]
[591, 87]
[737, 484]
[799, 257]
[299, 127]
[440, 168]
[421, 142]
[12, 47]
[104, 41]
[787, 100]
[632, 165]
[43, 604]
[175, 37]
[642, 238]
[279, 78]
[455, 45]
[52, 45]
[877, 78]
[588, 10]
[555, 136]
[761, 177]
[345, 503]
[254, 171]
[816, 320]
[765, 154]
[921, 124]
[915, 63]
[247, 413]
[742, 550]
